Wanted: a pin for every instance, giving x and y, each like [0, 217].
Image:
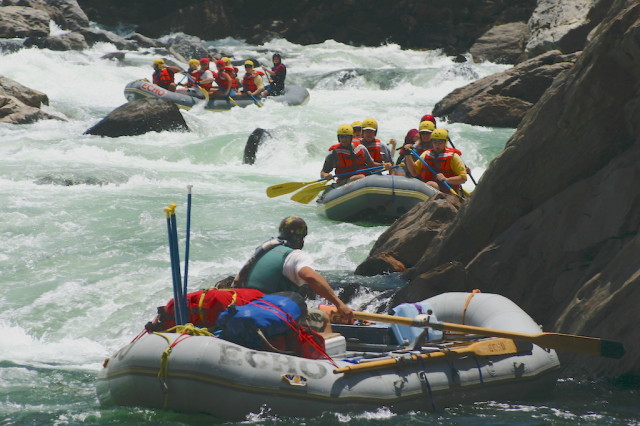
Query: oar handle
[354, 172]
[415, 154]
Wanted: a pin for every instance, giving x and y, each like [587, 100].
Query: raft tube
[207, 374]
[380, 198]
[140, 89]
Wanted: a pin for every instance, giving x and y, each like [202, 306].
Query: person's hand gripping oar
[204, 91]
[427, 165]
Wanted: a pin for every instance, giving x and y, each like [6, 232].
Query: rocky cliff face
[553, 223]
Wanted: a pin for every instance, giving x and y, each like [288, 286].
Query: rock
[502, 44]
[187, 47]
[256, 138]
[13, 111]
[139, 117]
[68, 41]
[404, 242]
[561, 241]
[30, 97]
[16, 21]
[502, 99]
[118, 56]
[95, 35]
[555, 24]
[67, 14]
[144, 41]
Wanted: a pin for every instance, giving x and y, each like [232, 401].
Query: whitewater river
[83, 266]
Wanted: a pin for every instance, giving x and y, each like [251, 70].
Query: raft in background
[207, 374]
[380, 198]
[139, 89]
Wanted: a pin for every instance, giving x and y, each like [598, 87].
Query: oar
[289, 187]
[306, 195]
[204, 91]
[256, 101]
[186, 249]
[565, 342]
[470, 175]
[487, 347]
[415, 154]
[170, 211]
[233, 101]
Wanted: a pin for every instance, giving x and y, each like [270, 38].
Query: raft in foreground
[207, 374]
[140, 89]
[380, 198]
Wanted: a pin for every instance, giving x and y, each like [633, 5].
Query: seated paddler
[346, 157]
[279, 264]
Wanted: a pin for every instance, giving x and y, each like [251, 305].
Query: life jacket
[271, 323]
[203, 307]
[348, 162]
[163, 78]
[266, 275]
[233, 73]
[221, 82]
[375, 149]
[456, 150]
[248, 82]
[278, 78]
[441, 164]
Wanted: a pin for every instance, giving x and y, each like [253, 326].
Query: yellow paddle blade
[308, 194]
[286, 188]
[205, 93]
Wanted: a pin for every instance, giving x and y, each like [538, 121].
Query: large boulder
[14, 111]
[17, 21]
[26, 95]
[67, 14]
[95, 35]
[502, 99]
[139, 117]
[554, 222]
[63, 42]
[502, 44]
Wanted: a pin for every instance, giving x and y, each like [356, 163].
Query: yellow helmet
[440, 135]
[345, 129]
[158, 61]
[194, 63]
[226, 60]
[356, 124]
[248, 62]
[370, 123]
[427, 126]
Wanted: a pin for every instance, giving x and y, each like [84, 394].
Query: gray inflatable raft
[379, 198]
[139, 89]
[202, 374]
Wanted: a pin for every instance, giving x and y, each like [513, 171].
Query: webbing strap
[467, 302]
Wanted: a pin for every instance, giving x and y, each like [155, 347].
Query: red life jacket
[233, 73]
[442, 164]
[248, 82]
[375, 149]
[163, 78]
[221, 82]
[195, 76]
[348, 162]
[204, 307]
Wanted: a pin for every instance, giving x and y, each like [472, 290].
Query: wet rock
[14, 111]
[17, 21]
[256, 138]
[68, 41]
[503, 44]
[95, 35]
[144, 41]
[502, 99]
[139, 117]
[28, 96]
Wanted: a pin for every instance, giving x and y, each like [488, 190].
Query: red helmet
[410, 135]
[221, 63]
[428, 117]
[204, 61]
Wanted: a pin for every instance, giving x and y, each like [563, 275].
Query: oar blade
[581, 344]
[284, 188]
[308, 194]
[611, 349]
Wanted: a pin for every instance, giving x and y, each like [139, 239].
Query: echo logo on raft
[153, 89]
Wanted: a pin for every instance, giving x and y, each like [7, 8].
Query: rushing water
[84, 258]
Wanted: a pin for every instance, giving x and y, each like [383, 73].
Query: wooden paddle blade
[308, 194]
[285, 188]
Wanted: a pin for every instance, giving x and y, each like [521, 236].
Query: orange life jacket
[248, 81]
[163, 78]
[348, 162]
[375, 149]
[441, 164]
[221, 82]
[233, 73]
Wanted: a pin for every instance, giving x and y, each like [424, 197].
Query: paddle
[204, 91]
[487, 347]
[306, 195]
[233, 101]
[415, 154]
[256, 101]
[188, 238]
[470, 175]
[565, 342]
[289, 187]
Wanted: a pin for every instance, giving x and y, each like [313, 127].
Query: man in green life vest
[280, 265]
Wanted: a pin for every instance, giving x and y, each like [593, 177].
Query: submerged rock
[139, 117]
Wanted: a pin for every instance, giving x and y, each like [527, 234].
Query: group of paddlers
[224, 82]
[424, 155]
